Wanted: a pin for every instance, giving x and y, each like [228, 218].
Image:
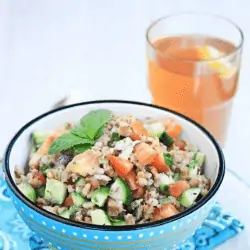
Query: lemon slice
[224, 68]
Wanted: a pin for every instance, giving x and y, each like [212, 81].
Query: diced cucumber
[100, 196]
[169, 199]
[168, 159]
[163, 188]
[189, 196]
[196, 164]
[193, 172]
[99, 217]
[197, 160]
[155, 129]
[27, 190]
[55, 191]
[118, 222]
[166, 139]
[192, 163]
[200, 158]
[44, 167]
[65, 214]
[39, 137]
[121, 191]
[77, 199]
[80, 182]
[177, 176]
[68, 213]
[41, 191]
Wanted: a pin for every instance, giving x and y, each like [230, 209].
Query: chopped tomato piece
[131, 179]
[173, 129]
[144, 153]
[139, 192]
[180, 144]
[138, 131]
[41, 177]
[37, 180]
[68, 202]
[159, 163]
[165, 211]
[176, 189]
[121, 166]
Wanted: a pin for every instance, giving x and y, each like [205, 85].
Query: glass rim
[162, 18]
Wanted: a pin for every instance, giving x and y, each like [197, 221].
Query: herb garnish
[83, 136]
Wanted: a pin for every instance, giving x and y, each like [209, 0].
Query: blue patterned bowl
[65, 234]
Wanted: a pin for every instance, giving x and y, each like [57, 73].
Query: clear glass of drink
[193, 67]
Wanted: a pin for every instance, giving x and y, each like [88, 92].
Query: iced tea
[196, 75]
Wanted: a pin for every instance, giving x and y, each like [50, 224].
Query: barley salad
[114, 170]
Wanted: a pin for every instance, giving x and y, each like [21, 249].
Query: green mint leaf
[99, 132]
[67, 141]
[93, 121]
[79, 131]
[78, 149]
[168, 159]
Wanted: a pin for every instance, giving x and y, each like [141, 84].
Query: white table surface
[51, 47]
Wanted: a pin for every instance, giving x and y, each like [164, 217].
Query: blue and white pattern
[7, 242]
[19, 227]
[216, 229]
[35, 243]
[4, 194]
[14, 234]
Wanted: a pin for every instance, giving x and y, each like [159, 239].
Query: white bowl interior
[191, 133]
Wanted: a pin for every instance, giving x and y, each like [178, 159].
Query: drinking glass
[193, 67]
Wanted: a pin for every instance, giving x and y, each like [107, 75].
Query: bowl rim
[68, 222]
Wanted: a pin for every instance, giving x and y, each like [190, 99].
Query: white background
[51, 47]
